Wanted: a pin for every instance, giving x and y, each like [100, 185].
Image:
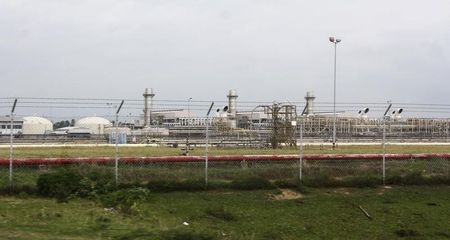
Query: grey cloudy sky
[267, 50]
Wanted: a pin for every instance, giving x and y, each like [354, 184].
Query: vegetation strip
[140, 160]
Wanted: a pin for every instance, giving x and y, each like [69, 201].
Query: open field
[27, 152]
[397, 213]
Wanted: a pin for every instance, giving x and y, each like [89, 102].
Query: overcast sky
[267, 50]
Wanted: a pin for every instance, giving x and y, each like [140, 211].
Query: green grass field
[26, 152]
[397, 213]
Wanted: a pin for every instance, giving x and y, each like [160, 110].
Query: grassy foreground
[25, 152]
[399, 212]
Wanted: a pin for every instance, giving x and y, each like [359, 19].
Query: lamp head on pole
[334, 40]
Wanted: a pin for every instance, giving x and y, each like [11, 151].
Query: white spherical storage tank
[96, 124]
[36, 125]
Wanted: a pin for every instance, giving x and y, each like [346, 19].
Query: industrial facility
[275, 124]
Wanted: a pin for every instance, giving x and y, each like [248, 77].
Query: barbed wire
[101, 106]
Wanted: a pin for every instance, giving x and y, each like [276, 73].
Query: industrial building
[26, 125]
[281, 121]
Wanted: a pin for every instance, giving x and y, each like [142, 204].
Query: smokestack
[309, 102]
[148, 104]
[232, 96]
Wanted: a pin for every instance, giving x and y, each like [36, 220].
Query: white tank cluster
[36, 125]
[96, 124]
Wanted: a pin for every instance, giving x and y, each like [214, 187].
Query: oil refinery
[275, 124]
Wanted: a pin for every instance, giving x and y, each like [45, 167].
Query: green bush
[417, 178]
[125, 201]
[321, 180]
[60, 184]
[360, 181]
[251, 183]
[172, 234]
[18, 190]
[170, 186]
[185, 235]
[77, 181]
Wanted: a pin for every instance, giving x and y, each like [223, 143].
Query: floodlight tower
[335, 41]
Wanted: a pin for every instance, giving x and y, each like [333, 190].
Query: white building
[5, 125]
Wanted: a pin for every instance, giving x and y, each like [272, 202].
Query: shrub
[251, 183]
[321, 180]
[20, 190]
[125, 201]
[60, 184]
[406, 233]
[173, 234]
[361, 181]
[74, 182]
[169, 186]
[185, 235]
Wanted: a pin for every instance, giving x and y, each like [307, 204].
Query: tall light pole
[335, 41]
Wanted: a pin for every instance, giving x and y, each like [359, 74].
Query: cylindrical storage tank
[36, 125]
[96, 124]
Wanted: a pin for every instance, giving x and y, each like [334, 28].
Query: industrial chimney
[148, 104]
[232, 96]
[309, 102]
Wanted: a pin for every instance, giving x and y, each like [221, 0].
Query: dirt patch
[286, 194]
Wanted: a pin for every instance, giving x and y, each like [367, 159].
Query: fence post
[11, 137]
[116, 167]
[207, 143]
[384, 150]
[384, 141]
[300, 170]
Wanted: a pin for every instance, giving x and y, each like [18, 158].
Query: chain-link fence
[80, 134]
[321, 170]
